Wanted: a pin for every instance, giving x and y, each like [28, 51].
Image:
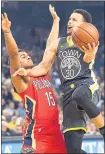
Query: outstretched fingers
[4, 16]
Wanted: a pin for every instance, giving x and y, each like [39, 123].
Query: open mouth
[69, 29]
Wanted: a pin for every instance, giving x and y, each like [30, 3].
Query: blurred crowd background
[31, 24]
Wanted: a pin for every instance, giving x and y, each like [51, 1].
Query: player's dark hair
[22, 50]
[86, 15]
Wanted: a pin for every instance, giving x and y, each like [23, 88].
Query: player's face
[74, 20]
[25, 60]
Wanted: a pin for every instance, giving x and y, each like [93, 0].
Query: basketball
[83, 34]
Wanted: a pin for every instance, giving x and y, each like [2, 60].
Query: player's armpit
[89, 57]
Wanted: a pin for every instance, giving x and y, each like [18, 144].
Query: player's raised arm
[11, 45]
[12, 50]
[55, 30]
[49, 54]
[51, 47]
[52, 42]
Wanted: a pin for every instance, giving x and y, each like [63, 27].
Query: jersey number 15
[50, 99]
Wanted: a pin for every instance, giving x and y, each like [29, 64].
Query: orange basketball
[83, 34]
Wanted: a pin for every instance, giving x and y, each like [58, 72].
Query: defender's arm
[12, 50]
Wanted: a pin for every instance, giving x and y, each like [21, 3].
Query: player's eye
[74, 19]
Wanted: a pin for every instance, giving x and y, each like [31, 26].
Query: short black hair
[22, 50]
[86, 15]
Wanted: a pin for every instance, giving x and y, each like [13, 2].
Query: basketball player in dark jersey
[41, 133]
[79, 85]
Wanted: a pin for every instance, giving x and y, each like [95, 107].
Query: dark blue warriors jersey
[71, 66]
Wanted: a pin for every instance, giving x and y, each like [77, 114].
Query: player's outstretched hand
[53, 13]
[91, 48]
[5, 23]
[21, 72]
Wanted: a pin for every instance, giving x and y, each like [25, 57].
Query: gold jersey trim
[73, 129]
[94, 86]
[70, 43]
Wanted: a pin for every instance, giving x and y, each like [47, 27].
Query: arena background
[31, 24]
